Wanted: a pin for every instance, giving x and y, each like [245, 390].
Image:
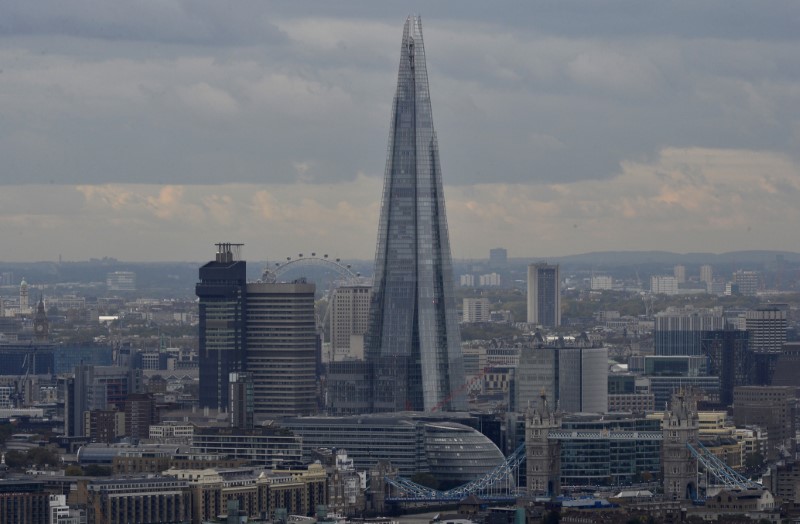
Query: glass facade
[222, 310]
[413, 342]
[606, 461]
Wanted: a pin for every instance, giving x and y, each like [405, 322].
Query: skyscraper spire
[413, 343]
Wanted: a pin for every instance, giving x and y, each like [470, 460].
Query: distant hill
[625, 258]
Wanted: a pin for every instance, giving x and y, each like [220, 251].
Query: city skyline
[593, 126]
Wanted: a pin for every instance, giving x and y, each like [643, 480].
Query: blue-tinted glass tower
[413, 346]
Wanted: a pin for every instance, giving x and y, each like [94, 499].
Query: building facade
[413, 342]
[767, 328]
[349, 321]
[583, 380]
[476, 310]
[282, 348]
[544, 295]
[222, 309]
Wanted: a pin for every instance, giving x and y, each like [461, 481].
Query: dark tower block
[413, 346]
[222, 310]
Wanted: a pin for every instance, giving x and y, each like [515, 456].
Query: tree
[16, 459]
[96, 470]
[73, 471]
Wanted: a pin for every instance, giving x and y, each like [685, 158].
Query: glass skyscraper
[413, 346]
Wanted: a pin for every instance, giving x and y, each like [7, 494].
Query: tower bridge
[689, 470]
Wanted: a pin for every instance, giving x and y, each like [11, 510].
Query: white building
[680, 273]
[664, 285]
[349, 321]
[600, 282]
[476, 310]
[467, 280]
[490, 279]
[706, 274]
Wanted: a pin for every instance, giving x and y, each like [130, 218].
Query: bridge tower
[543, 454]
[678, 464]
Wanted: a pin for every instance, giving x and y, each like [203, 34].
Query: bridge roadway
[565, 434]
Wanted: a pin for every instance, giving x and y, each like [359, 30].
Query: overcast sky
[150, 130]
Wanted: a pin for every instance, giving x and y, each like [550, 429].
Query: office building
[413, 342]
[24, 501]
[772, 408]
[537, 374]
[544, 295]
[282, 348]
[680, 273]
[583, 380]
[124, 500]
[266, 446]
[729, 359]
[97, 388]
[222, 310]
[767, 328]
[476, 310]
[678, 331]
[349, 315]
[412, 443]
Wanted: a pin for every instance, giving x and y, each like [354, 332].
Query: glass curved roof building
[452, 452]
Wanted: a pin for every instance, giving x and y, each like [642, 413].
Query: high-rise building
[664, 285]
[680, 273]
[413, 344]
[679, 331]
[537, 375]
[282, 348]
[747, 282]
[767, 327]
[349, 316]
[583, 380]
[544, 295]
[729, 359]
[706, 274]
[222, 310]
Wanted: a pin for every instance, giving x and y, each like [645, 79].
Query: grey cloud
[193, 22]
[543, 93]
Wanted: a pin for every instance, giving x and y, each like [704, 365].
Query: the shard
[413, 345]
